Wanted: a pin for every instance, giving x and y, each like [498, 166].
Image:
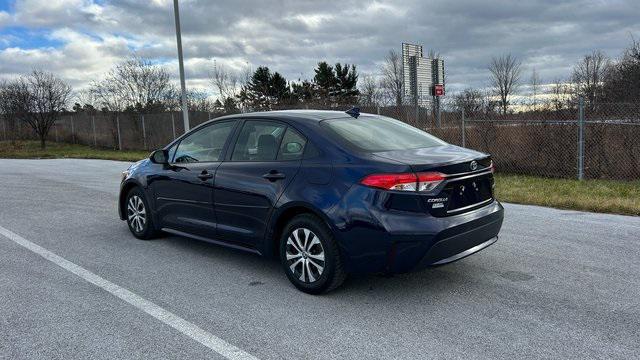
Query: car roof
[308, 115]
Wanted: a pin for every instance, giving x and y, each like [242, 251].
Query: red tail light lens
[427, 181]
[400, 182]
[404, 181]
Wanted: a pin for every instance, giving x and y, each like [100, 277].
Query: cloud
[5, 19]
[291, 36]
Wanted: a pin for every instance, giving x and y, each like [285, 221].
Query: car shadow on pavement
[264, 271]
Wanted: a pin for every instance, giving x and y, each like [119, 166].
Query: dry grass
[31, 150]
[606, 196]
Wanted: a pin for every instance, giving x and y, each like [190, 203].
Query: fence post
[173, 126]
[580, 138]
[73, 131]
[378, 109]
[118, 127]
[93, 127]
[55, 131]
[4, 129]
[144, 133]
[463, 130]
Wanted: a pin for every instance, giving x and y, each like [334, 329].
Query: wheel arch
[124, 190]
[281, 218]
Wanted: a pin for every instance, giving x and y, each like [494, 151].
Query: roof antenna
[354, 111]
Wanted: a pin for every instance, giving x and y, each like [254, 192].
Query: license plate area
[469, 193]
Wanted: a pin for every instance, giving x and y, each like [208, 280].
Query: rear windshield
[379, 133]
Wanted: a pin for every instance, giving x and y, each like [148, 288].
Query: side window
[292, 146]
[205, 144]
[258, 141]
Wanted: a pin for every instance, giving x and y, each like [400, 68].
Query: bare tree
[227, 82]
[14, 99]
[369, 90]
[136, 84]
[46, 96]
[473, 102]
[560, 95]
[197, 101]
[589, 74]
[505, 78]
[621, 82]
[535, 87]
[392, 77]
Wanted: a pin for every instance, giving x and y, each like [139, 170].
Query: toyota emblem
[473, 165]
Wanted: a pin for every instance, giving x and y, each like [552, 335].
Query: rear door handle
[205, 175]
[274, 175]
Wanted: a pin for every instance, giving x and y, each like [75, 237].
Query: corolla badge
[473, 165]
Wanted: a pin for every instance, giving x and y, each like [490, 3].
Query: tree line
[595, 78]
[139, 85]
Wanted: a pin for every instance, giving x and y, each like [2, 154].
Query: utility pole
[185, 110]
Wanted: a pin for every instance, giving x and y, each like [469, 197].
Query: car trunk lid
[468, 177]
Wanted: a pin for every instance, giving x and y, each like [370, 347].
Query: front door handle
[205, 175]
[274, 175]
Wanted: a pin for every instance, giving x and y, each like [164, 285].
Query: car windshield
[379, 133]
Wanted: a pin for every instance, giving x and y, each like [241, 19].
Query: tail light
[426, 181]
[401, 182]
[429, 180]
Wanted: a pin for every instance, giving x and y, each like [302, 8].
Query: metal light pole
[185, 110]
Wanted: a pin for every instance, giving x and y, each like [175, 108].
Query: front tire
[310, 255]
[139, 216]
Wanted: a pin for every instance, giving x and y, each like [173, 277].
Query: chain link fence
[583, 141]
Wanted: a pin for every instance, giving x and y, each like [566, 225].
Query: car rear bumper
[402, 245]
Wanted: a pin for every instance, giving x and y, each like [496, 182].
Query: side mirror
[160, 157]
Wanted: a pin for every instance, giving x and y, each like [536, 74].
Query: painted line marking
[191, 330]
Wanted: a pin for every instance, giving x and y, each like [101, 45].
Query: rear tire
[310, 255]
[138, 215]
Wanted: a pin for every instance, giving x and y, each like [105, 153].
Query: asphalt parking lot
[75, 284]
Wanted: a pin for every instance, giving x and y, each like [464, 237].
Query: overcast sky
[81, 39]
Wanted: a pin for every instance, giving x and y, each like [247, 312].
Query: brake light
[401, 182]
[404, 181]
[428, 181]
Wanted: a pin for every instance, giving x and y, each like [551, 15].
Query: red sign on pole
[438, 90]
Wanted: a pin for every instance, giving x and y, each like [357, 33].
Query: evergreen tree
[265, 90]
[346, 84]
[324, 83]
[280, 92]
[303, 91]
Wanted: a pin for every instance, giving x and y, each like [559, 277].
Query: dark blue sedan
[329, 193]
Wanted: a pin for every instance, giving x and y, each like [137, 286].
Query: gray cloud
[291, 36]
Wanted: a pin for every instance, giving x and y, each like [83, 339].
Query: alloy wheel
[136, 213]
[305, 255]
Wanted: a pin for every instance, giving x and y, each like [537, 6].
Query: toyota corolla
[328, 193]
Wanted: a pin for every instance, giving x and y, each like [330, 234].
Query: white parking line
[191, 330]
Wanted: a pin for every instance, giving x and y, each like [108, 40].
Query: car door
[264, 160]
[184, 190]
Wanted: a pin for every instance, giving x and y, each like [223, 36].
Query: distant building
[420, 74]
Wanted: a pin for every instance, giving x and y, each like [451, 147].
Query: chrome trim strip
[469, 206]
[467, 252]
[470, 174]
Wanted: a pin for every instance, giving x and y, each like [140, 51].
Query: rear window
[379, 133]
